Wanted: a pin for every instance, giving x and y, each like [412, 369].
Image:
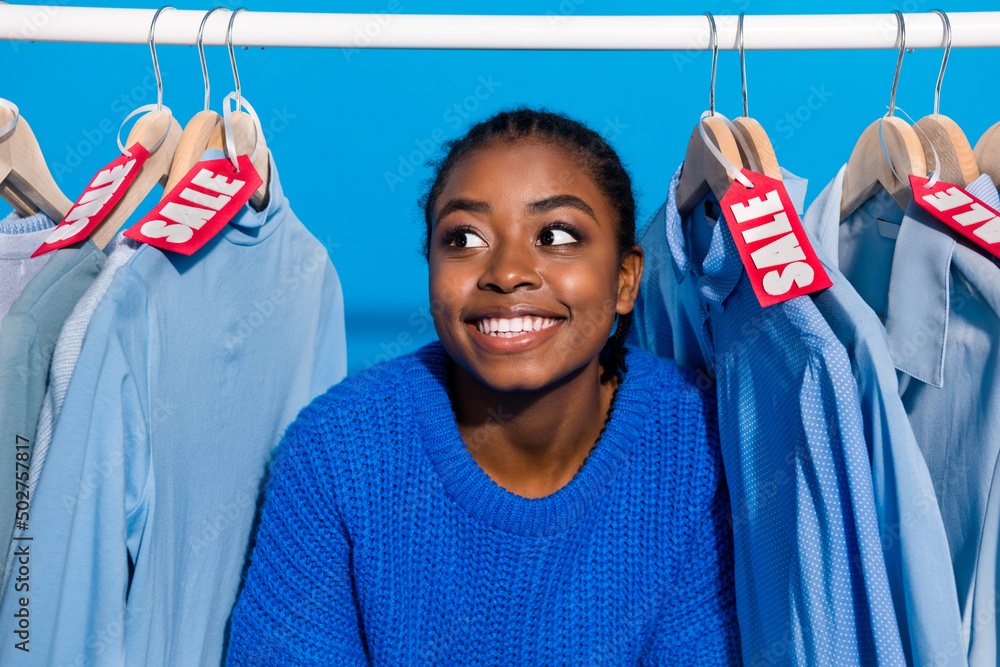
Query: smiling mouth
[503, 327]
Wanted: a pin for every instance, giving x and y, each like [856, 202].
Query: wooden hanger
[25, 181]
[761, 157]
[940, 134]
[702, 171]
[987, 153]
[158, 133]
[203, 125]
[247, 137]
[868, 169]
[193, 141]
[148, 130]
[759, 153]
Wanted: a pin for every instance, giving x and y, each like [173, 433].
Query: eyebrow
[560, 201]
[470, 205]
[540, 206]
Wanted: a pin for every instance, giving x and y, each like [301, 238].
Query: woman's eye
[467, 240]
[555, 237]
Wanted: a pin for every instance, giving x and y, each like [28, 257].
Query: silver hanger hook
[743, 64]
[156, 63]
[201, 51]
[232, 56]
[899, 61]
[944, 60]
[714, 37]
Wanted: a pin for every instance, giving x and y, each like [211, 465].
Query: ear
[629, 275]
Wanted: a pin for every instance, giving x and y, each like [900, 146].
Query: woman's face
[525, 278]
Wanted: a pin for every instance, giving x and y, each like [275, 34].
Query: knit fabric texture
[19, 237]
[383, 542]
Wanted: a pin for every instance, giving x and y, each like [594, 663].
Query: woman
[527, 491]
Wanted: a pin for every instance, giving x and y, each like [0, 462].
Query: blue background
[352, 132]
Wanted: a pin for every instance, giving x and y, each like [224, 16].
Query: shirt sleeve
[71, 569]
[698, 624]
[298, 605]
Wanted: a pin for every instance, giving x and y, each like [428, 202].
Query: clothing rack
[559, 30]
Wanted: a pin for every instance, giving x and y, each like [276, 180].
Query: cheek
[449, 287]
[589, 288]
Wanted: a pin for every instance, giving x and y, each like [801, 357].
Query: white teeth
[515, 326]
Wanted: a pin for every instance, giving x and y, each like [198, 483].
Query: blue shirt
[190, 371]
[940, 297]
[383, 542]
[811, 579]
[913, 535]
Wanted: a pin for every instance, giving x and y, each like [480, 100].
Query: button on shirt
[811, 579]
[940, 298]
[914, 542]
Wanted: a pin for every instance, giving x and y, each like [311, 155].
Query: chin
[507, 374]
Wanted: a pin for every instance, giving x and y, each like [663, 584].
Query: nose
[511, 266]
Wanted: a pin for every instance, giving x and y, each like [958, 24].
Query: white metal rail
[388, 30]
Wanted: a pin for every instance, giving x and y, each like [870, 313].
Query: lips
[512, 328]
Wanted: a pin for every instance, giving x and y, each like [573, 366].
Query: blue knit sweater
[383, 542]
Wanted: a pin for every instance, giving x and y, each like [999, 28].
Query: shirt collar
[723, 267]
[675, 231]
[916, 320]
[248, 217]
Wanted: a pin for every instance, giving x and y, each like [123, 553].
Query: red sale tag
[199, 206]
[97, 200]
[773, 245]
[963, 212]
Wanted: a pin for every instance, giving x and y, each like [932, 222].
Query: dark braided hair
[588, 150]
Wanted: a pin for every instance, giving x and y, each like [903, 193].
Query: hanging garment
[190, 371]
[26, 343]
[811, 580]
[940, 300]
[382, 539]
[64, 358]
[19, 238]
[914, 542]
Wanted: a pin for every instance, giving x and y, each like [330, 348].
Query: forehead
[516, 173]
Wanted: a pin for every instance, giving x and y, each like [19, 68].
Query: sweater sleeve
[298, 605]
[698, 625]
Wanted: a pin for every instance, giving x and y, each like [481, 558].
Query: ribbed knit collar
[19, 237]
[490, 503]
